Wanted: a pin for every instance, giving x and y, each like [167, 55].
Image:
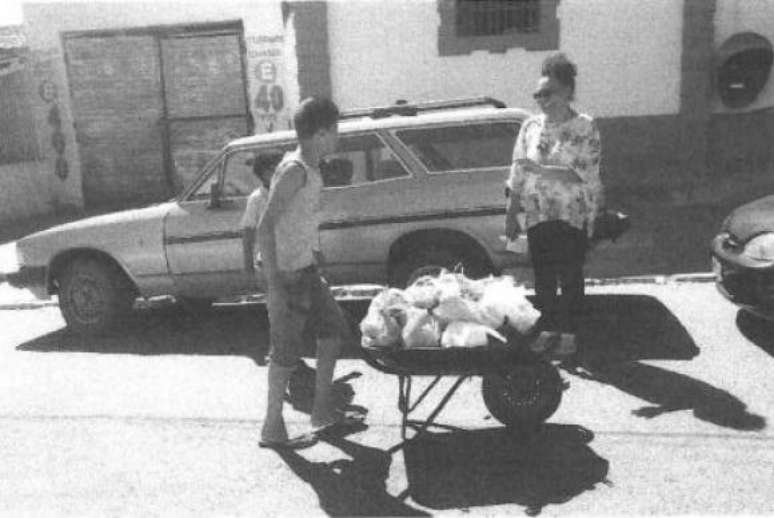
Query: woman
[555, 183]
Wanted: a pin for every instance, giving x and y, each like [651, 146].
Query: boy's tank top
[296, 232]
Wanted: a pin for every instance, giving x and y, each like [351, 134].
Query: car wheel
[432, 261]
[94, 296]
[523, 398]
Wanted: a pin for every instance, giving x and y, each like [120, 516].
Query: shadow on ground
[757, 330]
[622, 329]
[352, 486]
[618, 331]
[465, 469]
[457, 470]
[239, 330]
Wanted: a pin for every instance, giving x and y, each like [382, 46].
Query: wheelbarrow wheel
[523, 398]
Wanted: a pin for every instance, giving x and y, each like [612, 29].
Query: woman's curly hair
[559, 67]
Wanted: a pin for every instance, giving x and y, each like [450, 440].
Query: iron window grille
[497, 25]
[495, 17]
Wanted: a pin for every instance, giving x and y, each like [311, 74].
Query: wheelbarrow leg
[429, 421]
[404, 395]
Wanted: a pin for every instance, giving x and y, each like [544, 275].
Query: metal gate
[151, 106]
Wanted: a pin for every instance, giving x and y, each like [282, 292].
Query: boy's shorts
[306, 310]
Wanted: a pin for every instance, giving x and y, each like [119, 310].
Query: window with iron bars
[497, 25]
[494, 17]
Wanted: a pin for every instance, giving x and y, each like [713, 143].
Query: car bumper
[32, 278]
[746, 283]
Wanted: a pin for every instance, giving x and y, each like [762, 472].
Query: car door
[469, 164]
[204, 240]
[366, 186]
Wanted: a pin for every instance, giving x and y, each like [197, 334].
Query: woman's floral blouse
[574, 144]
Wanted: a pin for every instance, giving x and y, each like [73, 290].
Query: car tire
[94, 296]
[432, 261]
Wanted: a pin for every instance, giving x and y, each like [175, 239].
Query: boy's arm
[286, 185]
[248, 224]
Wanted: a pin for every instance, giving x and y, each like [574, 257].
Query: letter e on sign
[266, 71]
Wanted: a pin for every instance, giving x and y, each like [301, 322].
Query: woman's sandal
[299, 442]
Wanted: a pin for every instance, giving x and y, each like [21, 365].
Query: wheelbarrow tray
[448, 361]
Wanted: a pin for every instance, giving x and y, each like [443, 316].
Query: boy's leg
[274, 424]
[324, 407]
[333, 333]
[287, 315]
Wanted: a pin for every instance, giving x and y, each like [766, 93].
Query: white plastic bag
[456, 308]
[421, 329]
[379, 328]
[468, 334]
[504, 302]
[423, 293]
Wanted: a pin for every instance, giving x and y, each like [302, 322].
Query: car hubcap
[86, 299]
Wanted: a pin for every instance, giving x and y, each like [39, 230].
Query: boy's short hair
[265, 164]
[313, 115]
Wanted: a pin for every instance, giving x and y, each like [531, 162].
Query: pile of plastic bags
[449, 310]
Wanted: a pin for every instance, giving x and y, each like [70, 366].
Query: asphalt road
[670, 414]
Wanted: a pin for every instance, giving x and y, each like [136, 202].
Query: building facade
[126, 100]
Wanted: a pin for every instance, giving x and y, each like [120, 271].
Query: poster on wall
[266, 83]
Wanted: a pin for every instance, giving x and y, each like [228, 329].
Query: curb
[365, 292]
[28, 305]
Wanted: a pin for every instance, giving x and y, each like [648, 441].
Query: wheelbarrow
[520, 388]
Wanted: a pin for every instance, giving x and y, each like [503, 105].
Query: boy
[263, 169]
[299, 301]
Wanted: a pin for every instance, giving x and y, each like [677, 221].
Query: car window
[202, 192]
[454, 148]
[360, 159]
[238, 177]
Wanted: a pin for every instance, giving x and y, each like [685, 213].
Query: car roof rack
[402, 107]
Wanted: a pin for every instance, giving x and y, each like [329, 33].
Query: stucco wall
[733, 16]
[25, 190]
[625, 69]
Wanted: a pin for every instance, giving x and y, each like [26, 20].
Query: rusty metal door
[115, 87]
[153, 105]
[205, 97]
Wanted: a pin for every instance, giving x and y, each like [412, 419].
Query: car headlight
[761, 248]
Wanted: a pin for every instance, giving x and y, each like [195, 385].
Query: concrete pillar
[696, 84]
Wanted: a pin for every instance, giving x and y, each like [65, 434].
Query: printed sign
[266, 84]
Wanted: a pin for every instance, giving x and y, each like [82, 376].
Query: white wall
[733, 16]
[628, 53]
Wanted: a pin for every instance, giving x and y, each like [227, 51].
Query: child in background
[263, 169]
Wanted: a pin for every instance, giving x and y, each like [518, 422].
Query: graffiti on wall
[266, 83]
[49, 93]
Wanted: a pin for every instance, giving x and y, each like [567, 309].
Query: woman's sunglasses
[543, 94]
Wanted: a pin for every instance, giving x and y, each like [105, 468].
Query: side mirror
[214, 195]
